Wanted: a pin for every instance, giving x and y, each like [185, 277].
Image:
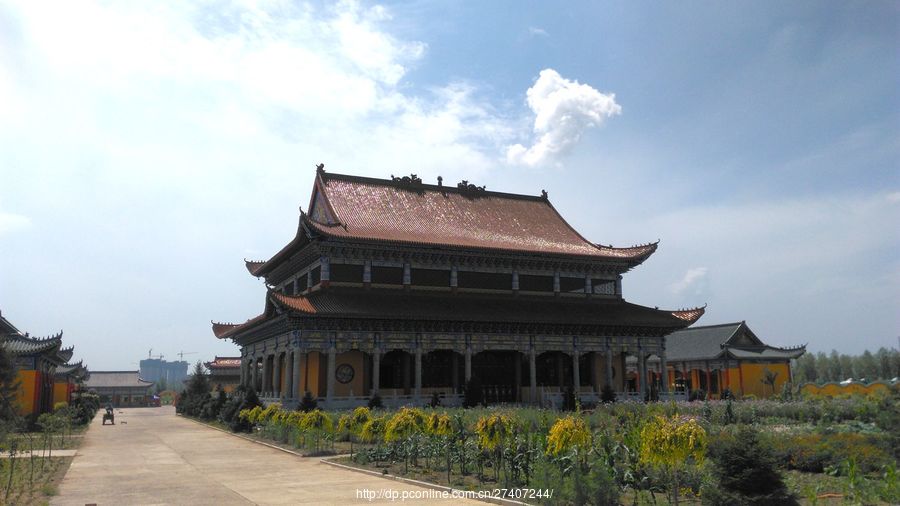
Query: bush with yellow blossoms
[438, 424]
[405, 423]
[492, 430]
[568, 433]
[671, 443]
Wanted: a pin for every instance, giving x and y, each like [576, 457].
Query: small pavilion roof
[728, 340]
[407, 211]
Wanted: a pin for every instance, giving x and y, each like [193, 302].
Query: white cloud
[893, 197]
[201, 122]
[537, 32]
[692, 279]
[563, 110]
[10, 222]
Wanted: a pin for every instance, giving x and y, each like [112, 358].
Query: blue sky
[145, 150]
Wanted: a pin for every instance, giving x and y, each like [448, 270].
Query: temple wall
[356, 360]
[753, 374]
[27, 397]
[837, 390]
[311, 375]
[60, 392]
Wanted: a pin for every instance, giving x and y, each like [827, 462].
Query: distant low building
[121, 388]
[225, 372]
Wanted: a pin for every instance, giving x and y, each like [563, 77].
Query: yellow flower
[492, 430]
[567, 433]
[670, 442]
[406, 422]
[439, 424]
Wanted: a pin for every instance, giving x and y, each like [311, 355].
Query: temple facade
[41, 364]
[410, 290]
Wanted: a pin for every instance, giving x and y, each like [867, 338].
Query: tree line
[820, 367]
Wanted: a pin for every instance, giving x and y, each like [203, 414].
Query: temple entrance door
[496, 370]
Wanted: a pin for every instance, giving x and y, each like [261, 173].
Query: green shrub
[744, 471]
[816, 452]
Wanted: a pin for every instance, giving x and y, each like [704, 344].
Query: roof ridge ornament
[412, 181]
[320, 169]
[467, 188]
[544, 195]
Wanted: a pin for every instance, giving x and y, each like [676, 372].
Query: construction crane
[182, 353]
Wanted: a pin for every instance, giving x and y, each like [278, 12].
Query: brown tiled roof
[220, 329]
[301, 304]
[383, 210]
[223, 330]
[689, 315]
[391, 304]
[253, 266]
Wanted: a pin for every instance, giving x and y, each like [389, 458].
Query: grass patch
[27, 488]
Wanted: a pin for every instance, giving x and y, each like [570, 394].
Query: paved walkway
[152, 456]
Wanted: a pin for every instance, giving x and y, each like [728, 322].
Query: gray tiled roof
[6, 327]
[734, 340]
[21, 345]
[768, 352]
[699, 343]
[116, 379]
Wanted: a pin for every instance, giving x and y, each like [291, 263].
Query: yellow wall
[753, 373]
[836, 389]
[310, 378]
[28, 383]
[355, 359]
[60, 392]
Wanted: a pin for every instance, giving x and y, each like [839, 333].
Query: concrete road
[152, 456]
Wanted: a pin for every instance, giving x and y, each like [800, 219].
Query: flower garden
[810, 451]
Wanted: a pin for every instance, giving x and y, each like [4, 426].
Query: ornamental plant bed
[599, 456]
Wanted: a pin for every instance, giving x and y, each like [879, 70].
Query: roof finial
[440, 182]
[320, 168]
[544, 194]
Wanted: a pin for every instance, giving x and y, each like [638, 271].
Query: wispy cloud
[691, 280]
[563, 110]
[537, 32]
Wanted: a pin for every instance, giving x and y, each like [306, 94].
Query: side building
[729, 356]
[38, 362]
[224, 373]
[411, 290]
